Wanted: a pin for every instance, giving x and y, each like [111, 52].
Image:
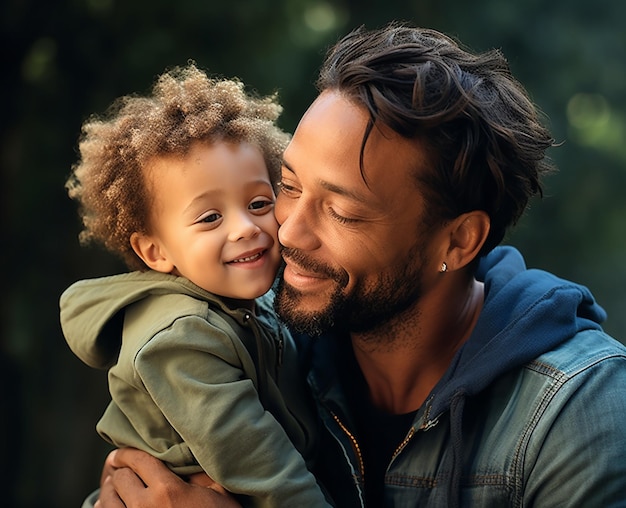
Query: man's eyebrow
[287, 166]
[342, 191]
[331, 187]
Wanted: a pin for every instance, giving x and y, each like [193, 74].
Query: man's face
[356, 250]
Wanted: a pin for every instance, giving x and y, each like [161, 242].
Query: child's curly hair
[186, 106]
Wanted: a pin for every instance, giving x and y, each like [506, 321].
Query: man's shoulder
[586, 371]
[587, 349]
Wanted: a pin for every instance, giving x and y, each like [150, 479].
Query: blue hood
[526, 313]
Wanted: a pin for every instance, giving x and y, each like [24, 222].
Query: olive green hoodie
[197, 384]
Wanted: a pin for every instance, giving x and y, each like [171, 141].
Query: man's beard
[365, 309]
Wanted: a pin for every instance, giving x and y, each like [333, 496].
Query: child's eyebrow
[200, 197]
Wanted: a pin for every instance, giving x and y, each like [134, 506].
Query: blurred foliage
[63, 60]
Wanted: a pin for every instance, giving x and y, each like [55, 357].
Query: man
[445, 373]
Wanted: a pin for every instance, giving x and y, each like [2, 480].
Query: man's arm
[134, 479]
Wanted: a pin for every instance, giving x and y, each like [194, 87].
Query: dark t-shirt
[378, 433]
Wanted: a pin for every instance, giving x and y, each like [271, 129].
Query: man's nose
[298, 224]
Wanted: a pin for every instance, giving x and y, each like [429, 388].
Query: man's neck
[404, 361]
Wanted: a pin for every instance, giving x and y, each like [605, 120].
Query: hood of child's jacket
[526, 313]
[92, 310]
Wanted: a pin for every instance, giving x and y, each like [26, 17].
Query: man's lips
[305, 280]
[301, 272]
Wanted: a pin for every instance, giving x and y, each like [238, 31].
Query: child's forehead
[218, 162]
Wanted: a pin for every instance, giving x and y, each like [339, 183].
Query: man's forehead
[328, 147]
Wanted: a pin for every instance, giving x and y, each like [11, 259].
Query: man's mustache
[310, 265]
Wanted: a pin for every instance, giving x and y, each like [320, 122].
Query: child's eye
[261, 204]
[211, 217]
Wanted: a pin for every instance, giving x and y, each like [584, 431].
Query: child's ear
[467, 236]
[151, 252]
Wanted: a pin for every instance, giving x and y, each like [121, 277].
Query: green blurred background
[65, 59]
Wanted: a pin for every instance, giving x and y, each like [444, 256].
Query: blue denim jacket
[551, 433]
[509, 424]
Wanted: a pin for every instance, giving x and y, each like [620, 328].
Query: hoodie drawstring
[457, 405]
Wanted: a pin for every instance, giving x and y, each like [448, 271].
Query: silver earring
[444, 267]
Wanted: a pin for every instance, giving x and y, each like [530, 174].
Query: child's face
[214, 219]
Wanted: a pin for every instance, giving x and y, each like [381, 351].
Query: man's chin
[300, 313]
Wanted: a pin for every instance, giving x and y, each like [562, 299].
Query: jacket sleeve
[581, 446]
[194, 371]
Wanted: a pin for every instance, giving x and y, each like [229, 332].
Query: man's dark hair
[483, 135]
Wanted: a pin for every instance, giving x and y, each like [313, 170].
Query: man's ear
[468, 233]
[151, 252]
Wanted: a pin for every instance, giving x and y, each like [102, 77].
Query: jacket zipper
[280, 346]
[357, 448]
[355, 444]
[403, 444]
[425, 426]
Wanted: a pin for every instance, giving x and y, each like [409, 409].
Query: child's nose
[243, 228]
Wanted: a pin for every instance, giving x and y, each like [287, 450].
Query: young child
[181, 185]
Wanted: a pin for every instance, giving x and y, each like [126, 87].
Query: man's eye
[340, 218]
[287, 189]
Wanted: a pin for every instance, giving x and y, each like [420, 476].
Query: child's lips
[248, 256]
[246, 259]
